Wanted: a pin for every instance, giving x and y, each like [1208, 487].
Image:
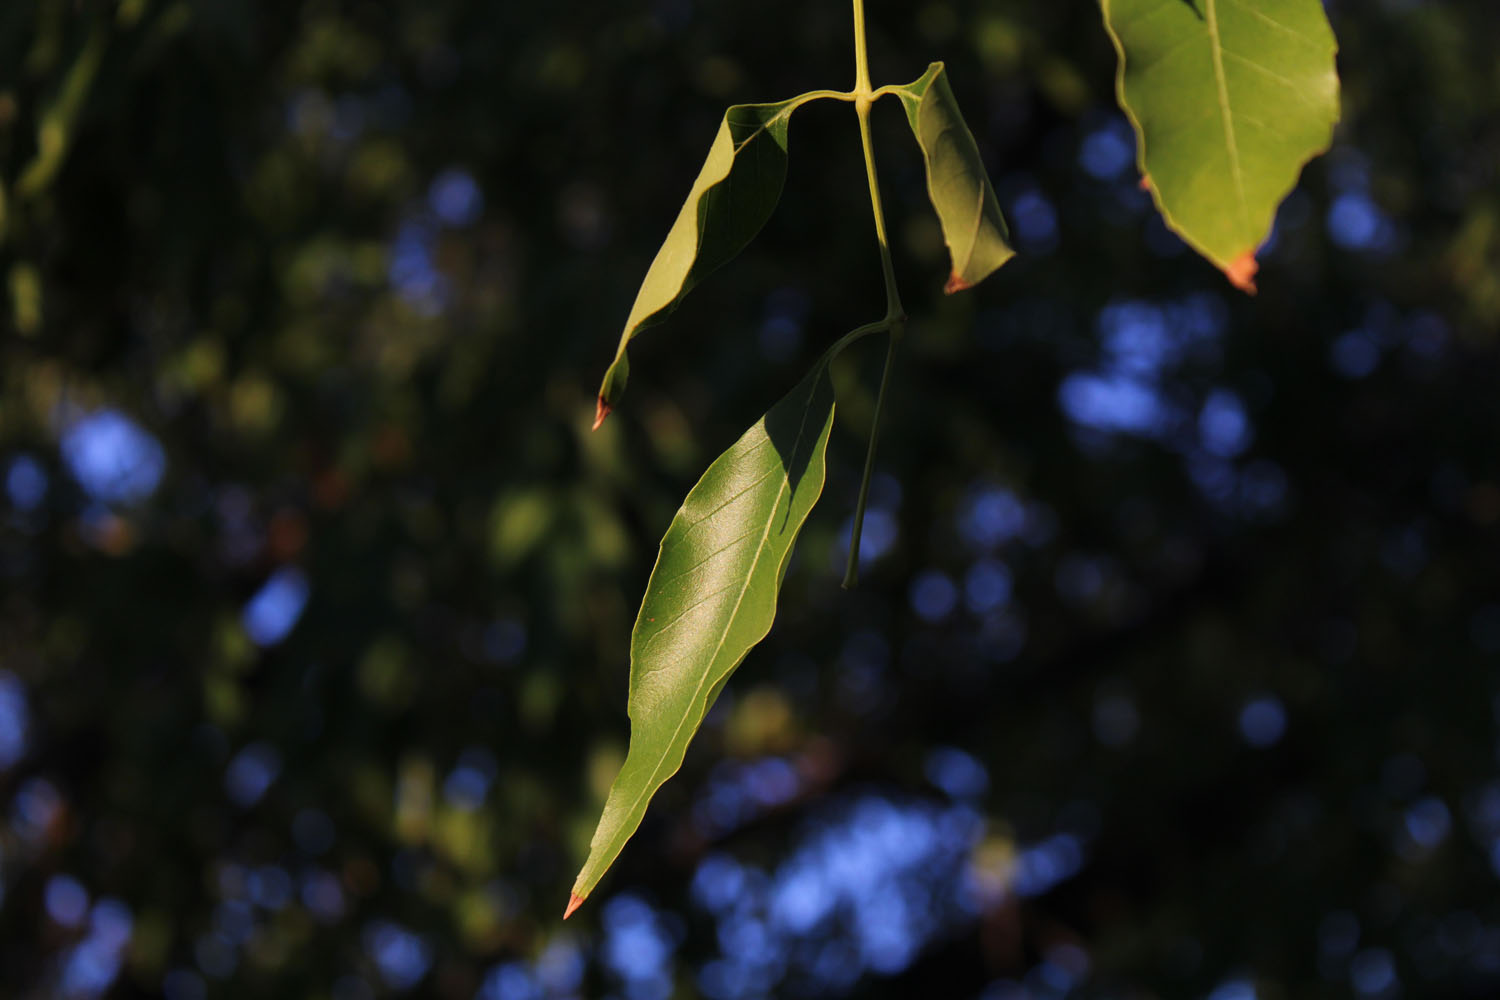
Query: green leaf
[973, 228]
[1229, 98]
[711, 597]
[734, 195]
[58, 121]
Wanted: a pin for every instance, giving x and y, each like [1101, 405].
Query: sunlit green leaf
[973, 227]
[734, 195]
[711, 597]
[1229, 99]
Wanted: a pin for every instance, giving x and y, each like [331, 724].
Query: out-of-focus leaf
[973, 227]
[734, 195]
[711, 597]
[1229, 98]
[26, 298]
[58, 121]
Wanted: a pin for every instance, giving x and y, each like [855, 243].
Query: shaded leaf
[734, 195]
[973, 228]
[1229, 98]
[711, 597]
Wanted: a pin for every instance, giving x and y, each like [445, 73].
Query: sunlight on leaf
[960, 189]
[711, 597]
[1229, 98]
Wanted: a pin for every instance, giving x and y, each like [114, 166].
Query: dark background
[1173, 668]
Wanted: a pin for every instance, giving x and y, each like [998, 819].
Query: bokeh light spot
[113, 458]
[1262, 721]
[270, 615]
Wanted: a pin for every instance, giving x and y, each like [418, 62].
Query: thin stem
[858, 333]
[895, 315]
[892, 295]
[861, 59]
[851, 569]
[847, 96]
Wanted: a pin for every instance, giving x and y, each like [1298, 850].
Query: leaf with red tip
[574, 902]
[1229, 99]
[711, 597]
[601, 410]
[957, 184]
[735, 193]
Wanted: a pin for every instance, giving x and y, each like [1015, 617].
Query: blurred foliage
[1172, 671]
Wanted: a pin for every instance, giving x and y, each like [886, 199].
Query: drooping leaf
[1229, 98]
[711, 597]
[973, 228]
[734, 195]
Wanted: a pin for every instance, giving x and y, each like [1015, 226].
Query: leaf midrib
[1216, 49]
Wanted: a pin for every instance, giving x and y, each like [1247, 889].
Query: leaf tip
[956, 283]
[1241, 272]
[574, 902]
[1145, 184]
[612, 388]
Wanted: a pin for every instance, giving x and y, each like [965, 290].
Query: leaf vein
[666, 626]
[699, 564]
[1262, 15]
[1182, 44]
[1291, 85]
[767, 475]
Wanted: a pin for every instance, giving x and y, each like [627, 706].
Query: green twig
[895, 315]
[851, 570]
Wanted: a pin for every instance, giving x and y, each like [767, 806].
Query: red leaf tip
[1241, 272]
[1145, 184]
[956, 283]
[574, 902]
[600, 412]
